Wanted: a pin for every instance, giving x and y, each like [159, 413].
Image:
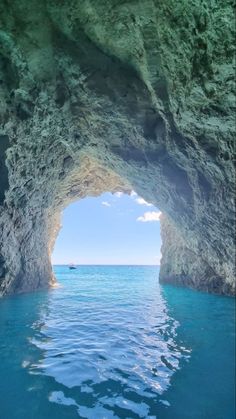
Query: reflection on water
[111, 343]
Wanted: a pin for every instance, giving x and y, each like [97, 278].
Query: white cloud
[142, 201]
[133, 193]
[150, 216]
[106, 204]
[118, 194]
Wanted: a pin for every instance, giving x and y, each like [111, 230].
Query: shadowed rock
[4, 144]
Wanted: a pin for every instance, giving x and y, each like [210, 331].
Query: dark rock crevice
[4, 144]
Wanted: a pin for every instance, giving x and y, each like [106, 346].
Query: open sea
[110, 342]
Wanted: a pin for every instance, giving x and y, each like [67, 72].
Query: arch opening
[111, 229]
[34, 223]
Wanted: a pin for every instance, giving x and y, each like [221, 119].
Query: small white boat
[72, 266]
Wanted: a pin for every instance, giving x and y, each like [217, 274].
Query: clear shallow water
[110, 342]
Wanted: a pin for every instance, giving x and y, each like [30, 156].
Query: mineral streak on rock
[118, 95]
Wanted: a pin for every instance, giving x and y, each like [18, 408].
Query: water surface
[110, 342]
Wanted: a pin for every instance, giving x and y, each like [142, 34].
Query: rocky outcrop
[183, 265]
[114, 95]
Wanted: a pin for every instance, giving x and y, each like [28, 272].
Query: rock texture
[113, 95]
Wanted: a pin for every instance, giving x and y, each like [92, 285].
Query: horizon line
[104, 264]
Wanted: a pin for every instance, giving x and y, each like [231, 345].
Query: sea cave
[111, 96]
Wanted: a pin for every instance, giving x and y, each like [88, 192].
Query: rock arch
[114, 95]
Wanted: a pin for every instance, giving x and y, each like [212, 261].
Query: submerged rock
[111, 95]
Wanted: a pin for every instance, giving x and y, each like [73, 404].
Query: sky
[112, 229]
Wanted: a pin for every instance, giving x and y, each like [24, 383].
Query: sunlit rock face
[118, 95]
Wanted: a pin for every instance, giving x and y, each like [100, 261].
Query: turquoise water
[110, 342]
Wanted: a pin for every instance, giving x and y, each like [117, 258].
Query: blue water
[110, 342]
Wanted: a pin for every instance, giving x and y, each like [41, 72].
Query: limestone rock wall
[108, 95]
[189, 266]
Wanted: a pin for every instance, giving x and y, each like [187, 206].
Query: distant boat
[72, 266]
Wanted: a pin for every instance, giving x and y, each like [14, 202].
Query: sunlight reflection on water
[110, 342]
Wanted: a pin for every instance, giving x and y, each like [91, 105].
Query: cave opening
[110, 229]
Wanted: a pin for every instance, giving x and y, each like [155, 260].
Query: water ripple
[101, 337]
[111, 343]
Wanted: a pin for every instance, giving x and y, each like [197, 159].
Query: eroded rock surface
[114, 95]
